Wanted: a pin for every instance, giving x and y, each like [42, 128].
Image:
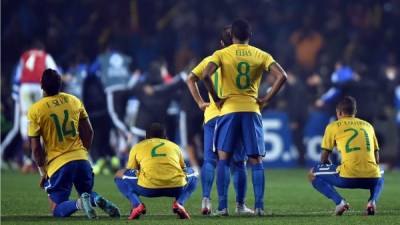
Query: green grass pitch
[289, 199]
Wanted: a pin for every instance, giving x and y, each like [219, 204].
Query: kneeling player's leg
[323, 178]
[124, 181]
[253, 143]
[376, 190]
[83, 181]
[189, 188]
[59, 186]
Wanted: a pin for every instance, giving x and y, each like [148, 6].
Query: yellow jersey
[159, 163]
[356, 141]
[56, 119]
[242, 66]
[211, 111]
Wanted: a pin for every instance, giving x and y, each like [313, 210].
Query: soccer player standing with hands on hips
[211, 113]
[242, 66]
[62, 122]
[356, 141]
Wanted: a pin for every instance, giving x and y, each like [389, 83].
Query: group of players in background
[233, 138]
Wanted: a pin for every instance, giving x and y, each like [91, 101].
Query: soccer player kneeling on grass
[156, 169]
[356, 141]
[63, 123]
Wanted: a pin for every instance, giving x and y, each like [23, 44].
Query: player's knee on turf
[311, 175]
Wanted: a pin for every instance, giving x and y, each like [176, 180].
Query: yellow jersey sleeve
[33, 124]
[216, 58]
[198, 70]
[328, 141]
[268, 60]
[132, 163]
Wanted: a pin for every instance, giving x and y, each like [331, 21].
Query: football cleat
[242, 209]
[259, 212]
[87, 206]
[371, 208]
[137, 211]
[180, 211]
[106, 205]
[206, 206]
[222, 212]
[341, 208]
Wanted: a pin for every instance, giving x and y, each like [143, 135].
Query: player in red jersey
[27, 88]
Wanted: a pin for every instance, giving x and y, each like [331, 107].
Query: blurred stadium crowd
[329, 48]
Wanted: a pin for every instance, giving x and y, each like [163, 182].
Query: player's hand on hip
[203, 105]
[220, 103]
[262, 103]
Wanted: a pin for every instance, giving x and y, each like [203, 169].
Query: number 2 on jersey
[63, 131]
[154, 151]
[243, 69]
[355, 134]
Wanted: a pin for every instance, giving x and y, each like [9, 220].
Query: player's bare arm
[280, 78]
[325, 156]
[376, 153]
[194, 90]
[207, 73]
[39, 156]
[86, 132]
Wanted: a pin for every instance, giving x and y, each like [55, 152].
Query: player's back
[160, 163]
[242, 66]
[56, 119]
[211, 111]
[33, 64]
[356, 141]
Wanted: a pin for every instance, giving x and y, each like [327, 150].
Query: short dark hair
[241, 29]
[51, 82]
[156, 130]
[226, 35]
[347, 105]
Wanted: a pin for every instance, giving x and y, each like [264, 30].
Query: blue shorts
[209, 153]
[78, 173]
[131, 179]
[240, 129]
[328, 173]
